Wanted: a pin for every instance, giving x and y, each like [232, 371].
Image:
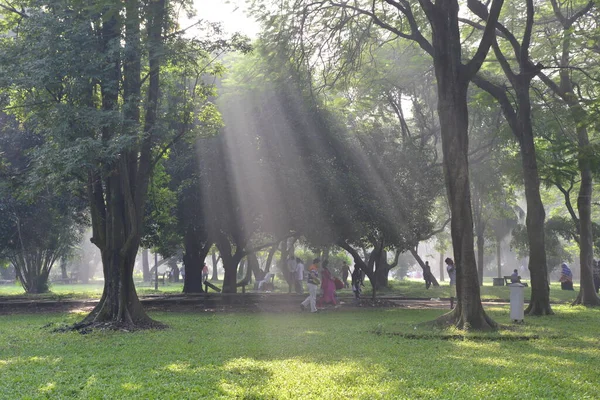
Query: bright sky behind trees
[230, 12]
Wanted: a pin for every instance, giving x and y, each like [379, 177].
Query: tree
[453, 77]
[90, 110]
[518, 116]
[567, 90]
[41, 223]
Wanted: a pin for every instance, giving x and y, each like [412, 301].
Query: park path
[248, 302]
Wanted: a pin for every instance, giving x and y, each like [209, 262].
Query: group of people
[328, 284]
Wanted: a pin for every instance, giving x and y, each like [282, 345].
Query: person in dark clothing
[514, 277]
[427, 275]
[566, 277]
[357, 282]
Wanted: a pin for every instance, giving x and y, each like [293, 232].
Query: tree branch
[489, 36]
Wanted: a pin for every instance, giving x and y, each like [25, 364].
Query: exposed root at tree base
[511, 338]
[455, 319]
[88, 327]
[537, 309]
[590, 301]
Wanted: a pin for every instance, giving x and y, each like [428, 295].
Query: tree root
[457, 319]
[88, 327]
[587, 301]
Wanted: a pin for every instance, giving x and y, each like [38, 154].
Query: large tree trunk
[117, 200]
[539, 303]
[230, 263]
[452, 83]
[382, 270]
[195, 253]
[587, 293]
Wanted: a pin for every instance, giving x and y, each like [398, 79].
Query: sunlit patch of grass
[48, 387]
[297, 355]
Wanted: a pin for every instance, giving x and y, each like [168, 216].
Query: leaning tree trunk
[367, 268]
[421, 263]
[441, 267]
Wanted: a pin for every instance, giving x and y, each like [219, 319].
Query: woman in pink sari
[328, 288]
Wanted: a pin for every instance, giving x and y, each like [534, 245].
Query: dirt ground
[249, 303]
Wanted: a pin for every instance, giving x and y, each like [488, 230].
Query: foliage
[41, 223]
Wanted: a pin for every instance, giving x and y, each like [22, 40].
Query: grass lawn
[407, 288]
[345, 354]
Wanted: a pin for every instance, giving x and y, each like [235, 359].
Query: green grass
[406, 288]
[361, 354]
[416, 289]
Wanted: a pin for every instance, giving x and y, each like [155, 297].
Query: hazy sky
[229, 12]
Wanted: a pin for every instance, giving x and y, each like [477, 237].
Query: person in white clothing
[312, 283]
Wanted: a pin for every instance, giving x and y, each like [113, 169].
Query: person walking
[312, 282]
[451, 270]
[345, 273]
[299, 275]
[327, 286]
[566, 277]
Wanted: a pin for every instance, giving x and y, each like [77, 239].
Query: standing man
[451, 269]
[299, 276]
[313, 285]
[345, 273]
